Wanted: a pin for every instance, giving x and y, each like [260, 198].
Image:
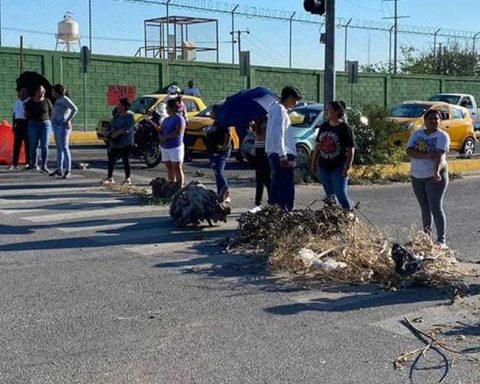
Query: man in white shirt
[281, 150]
[191, 90]
[20, 128]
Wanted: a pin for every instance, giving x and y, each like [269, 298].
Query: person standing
[120, 134]
[428, 148]
[38, 111]
[281, 150]
[262, 168]
[20, 129]
[333, 153]
[191, 90]
[219, 148]
[63, 112]
[171, 142]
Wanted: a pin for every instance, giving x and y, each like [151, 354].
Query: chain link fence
[278, 38]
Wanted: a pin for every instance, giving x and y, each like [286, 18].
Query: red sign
[117, 92]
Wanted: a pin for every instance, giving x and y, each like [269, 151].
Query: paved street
[96, 288]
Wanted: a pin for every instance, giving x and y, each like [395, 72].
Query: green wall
[216, 81]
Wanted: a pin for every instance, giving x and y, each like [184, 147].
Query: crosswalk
[80, 209]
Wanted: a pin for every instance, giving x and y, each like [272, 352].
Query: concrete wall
[216, 81]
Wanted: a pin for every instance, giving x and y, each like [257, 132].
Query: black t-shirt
[333, 143]
[38, 110]
[215, 137]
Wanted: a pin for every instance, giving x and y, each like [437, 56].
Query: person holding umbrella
[281, 150]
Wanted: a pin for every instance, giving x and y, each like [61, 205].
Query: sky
[118, 27]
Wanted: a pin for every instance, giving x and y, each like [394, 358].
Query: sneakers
[45, 169]
[55, 173]
[442, 246]
[255, 209]
[30, 167]
[108, 180]
[66, 175]
[12, 167]
[127, 181]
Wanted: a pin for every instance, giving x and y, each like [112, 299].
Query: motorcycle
[146, 144]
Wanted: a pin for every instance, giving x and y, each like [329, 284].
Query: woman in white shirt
[428, 148]
[63, 112]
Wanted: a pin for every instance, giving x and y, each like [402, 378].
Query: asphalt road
[97, 289]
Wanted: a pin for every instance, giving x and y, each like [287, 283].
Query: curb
[462, 166]
[81, 138]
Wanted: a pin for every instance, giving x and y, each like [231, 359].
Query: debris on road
[162, 189]
[194, 203]
[444, 343]
[331, 245]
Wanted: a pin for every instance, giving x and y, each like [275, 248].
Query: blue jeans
[335, 185]
[39, 132]
[282, 185]
[61, 134]
[218, 162]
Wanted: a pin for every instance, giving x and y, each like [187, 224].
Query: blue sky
[118, 27]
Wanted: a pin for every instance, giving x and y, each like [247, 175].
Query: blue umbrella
[241, 108]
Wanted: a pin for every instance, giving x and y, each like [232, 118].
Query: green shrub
[372, 139]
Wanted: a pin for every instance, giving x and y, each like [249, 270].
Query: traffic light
[315, 7]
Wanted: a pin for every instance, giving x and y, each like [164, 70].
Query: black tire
[468, 147]
[152, 155]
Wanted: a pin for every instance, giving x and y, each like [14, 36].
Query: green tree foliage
[451, 59]
[372, 139]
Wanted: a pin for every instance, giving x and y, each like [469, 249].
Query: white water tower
[68, 33]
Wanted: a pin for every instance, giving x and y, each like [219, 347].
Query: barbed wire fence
[283, 38]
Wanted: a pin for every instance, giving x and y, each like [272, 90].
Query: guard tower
[173, 38]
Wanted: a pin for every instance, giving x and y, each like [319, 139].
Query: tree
[451, 59]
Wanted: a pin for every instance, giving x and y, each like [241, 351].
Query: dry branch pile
[162, 189]
[333, 246]
[194, 204]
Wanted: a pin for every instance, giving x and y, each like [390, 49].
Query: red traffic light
[316, 7]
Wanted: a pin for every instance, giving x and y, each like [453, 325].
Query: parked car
[456, 121]
[196, 133]
[142, 104]
[463, 100]
[306, 120]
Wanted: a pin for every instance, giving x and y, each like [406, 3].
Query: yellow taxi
[196, 132]
[456, 122]
[142, 104]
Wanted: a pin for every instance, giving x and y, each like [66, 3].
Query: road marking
[78, 214]
[45, 191]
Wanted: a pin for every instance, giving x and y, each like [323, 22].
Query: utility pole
[90, 25]
[395, 38]
[239, 40]
[329, 83]
[233, 32]
[346, 43]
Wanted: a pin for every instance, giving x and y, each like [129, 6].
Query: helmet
[174, 90]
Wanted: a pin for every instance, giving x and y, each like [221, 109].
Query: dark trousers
[114, 154]
[262, 174]
[282, 186]
[20, 136]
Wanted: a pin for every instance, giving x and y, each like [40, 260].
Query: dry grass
[141, 193]
[330, 245]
